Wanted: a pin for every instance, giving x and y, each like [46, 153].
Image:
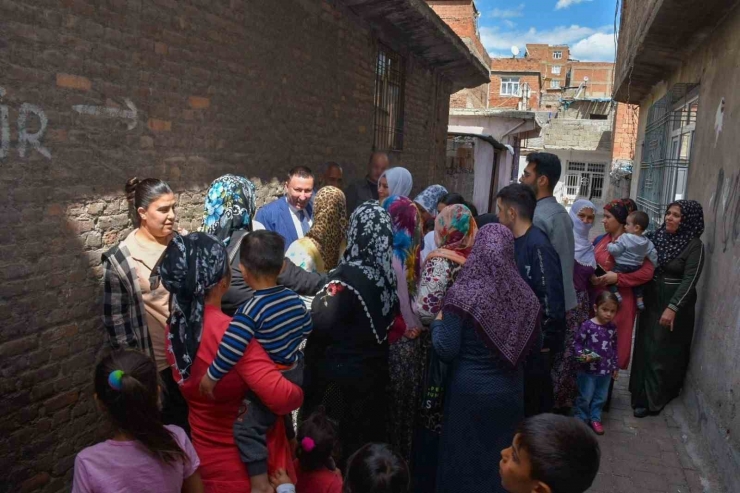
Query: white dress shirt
[301, 225]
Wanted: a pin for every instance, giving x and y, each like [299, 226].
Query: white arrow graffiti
[131, 113]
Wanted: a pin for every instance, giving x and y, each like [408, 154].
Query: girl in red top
[317, 473]
[195, 271]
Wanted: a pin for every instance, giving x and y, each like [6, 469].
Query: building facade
[95, 93]
[678, 62]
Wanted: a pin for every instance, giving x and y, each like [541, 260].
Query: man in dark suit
[291, 216]
[367, 188]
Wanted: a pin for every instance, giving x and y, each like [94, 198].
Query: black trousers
[538, 389]
[174, 406]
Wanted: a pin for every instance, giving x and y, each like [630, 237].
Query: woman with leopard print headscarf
[320, 250]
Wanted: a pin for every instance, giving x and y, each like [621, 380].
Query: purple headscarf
[490, 291]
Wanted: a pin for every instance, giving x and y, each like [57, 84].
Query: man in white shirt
[292, 215]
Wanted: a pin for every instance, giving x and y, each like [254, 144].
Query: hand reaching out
[280, 477]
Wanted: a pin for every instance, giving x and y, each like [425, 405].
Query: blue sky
[586, 25]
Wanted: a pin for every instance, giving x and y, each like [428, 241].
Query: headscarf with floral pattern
[454, 233]
[328, 231]
[229, 207]
[407, 236]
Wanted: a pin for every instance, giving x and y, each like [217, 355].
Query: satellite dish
[585, 79]
[514, 50]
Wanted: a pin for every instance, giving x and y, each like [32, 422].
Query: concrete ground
[653, 454]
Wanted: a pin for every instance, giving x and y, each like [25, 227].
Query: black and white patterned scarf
[366, 265]
[191, 265]
[670, 245]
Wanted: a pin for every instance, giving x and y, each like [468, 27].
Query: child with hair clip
[315, 467]
[143, 455]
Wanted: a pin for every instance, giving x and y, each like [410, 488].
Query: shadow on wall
[59, 212]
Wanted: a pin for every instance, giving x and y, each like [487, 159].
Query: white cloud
[598, 47]
[508, 23]
[508, 13]
[564, 4]
[498, 41]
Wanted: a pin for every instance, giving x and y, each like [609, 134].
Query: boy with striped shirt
[277, 318]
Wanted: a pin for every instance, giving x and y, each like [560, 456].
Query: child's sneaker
[597, 427]
[619, 297]
[640, 304]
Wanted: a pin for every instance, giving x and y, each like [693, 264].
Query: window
[389, 95]
[584, 180]
[667, 151]
[555, 69]
[554, 84]
[510, 86]
[557, 55]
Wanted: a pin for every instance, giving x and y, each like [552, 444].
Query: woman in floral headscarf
[323, 245]
[405, 357]
[663, 341]
[229, 216]
[454, 233]
[615, 218]
[347, 352]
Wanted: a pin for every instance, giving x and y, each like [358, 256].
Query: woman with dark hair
[136, 305]
[144, 454]
[615, 218]
[663, 341]
[347, 352]
[195, 269]
[487, 326]
[229, 216]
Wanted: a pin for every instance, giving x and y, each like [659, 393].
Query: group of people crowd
[370, 341]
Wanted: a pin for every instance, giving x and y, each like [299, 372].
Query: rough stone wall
[460, 16]
[710, 391]
[636, 17]
[625, 131]
[586, 135]
[93, 93]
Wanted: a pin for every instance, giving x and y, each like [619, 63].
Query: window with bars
[585, 180]
[389, 95]
[557, 55]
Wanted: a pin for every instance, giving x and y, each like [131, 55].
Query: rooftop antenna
[514, 51]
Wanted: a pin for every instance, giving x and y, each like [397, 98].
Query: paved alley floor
[652, 454]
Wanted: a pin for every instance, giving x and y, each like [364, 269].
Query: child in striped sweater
[277, 318]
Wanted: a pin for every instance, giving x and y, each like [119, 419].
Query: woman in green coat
[665, 329]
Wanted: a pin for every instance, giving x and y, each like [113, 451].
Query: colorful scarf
[399, 181]
[584, 247]
[191, 265]
[670, 245]
[328, 232]
[490, 292]
[229, 207]
[429, 198]
[407, 236]
[454, 233]
[366, 266]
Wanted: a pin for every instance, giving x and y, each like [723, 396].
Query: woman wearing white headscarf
[395, 181]
[565, 365]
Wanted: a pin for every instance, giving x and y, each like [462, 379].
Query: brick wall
[625, 131]
[600, 76]
[496, 100]
[192, 90]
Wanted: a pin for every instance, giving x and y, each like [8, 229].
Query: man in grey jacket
[541, 175]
